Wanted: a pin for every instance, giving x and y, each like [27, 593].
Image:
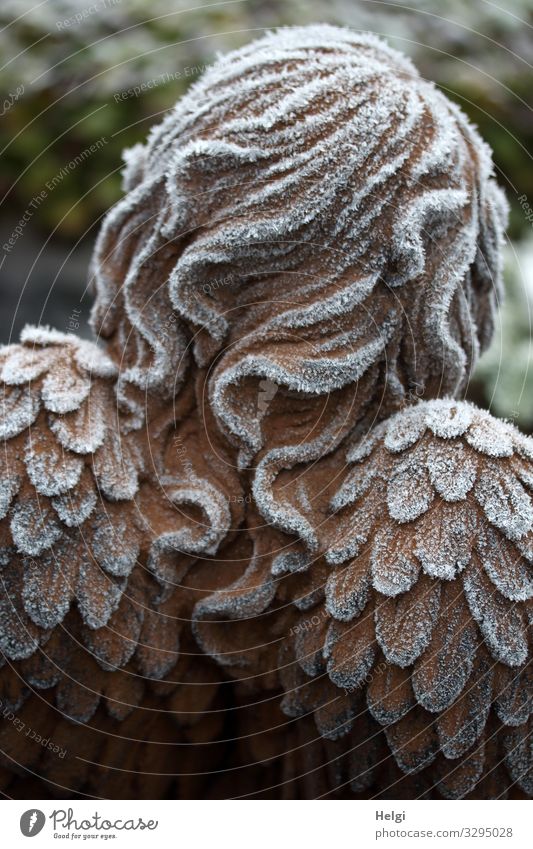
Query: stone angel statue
[253, 540]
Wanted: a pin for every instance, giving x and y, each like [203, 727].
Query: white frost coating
[451, 470]
[76, 506]
[444, 543]
[409, 492]
[404, 624]
[281, 514]
[505, 566]
[450, 574]
[442, 672]
[350, 539]
[500, 621]
[394, 570]
[114, 468]
[94, 361]
[317, 375]
[448, 418]
[63, 390]
[313, 170]
[439, 534]
[524, 445]
[525, 473]
[404, 430]
[356, 485]
[289, 562]
[82, 431]
[458, 737]
[18, 635]
[506, 503]
[409, 230]
[50, 469]
[525, 546]
[245, 598]
[114, 547]
[34, 527]
[347, 591]
[491, 437]
[18, 410]
[313, 174]
[9, 486]
[361, 449]
[97, 594]
[514, 702]
[204, 538]
[49, 587]
[23, 365]
[46, 485]
[43, 336]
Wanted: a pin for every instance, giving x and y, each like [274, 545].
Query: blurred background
[82, 79]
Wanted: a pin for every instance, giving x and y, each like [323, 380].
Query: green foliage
[505, 373]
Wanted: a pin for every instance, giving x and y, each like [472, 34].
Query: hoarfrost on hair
[314, 90]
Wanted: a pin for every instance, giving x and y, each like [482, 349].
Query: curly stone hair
[310, 212]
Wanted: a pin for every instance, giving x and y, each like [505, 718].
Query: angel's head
[313, 222]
